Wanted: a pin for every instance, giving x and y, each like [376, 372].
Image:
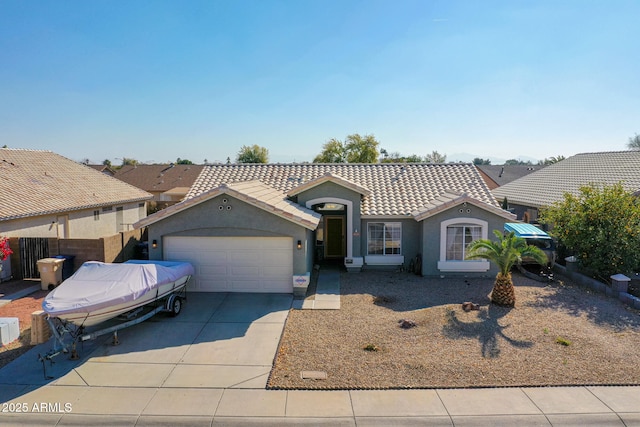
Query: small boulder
[406, 324]
[468, 306]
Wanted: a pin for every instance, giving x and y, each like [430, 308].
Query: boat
[100, 291]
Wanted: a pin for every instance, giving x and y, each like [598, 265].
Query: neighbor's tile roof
[395, 189]
[159, 178]
[34, 182]
[255, 193]
[500, 175]
[548, 185]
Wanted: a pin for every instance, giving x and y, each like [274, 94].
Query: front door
[334, 244]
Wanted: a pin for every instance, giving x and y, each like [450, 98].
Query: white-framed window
[384, 238]
[455, 236]
[459, 236]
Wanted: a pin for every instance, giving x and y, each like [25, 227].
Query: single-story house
[527, 195]
[168, 183]
[47, 195]
[48, 198]
[253, 227]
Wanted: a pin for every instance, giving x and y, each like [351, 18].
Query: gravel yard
[558, 334]
[22, 309]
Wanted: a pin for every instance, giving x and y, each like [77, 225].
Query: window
[96, 215]
[455, 236]
[459, 237]
[384, 238]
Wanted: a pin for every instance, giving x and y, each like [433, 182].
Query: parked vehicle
[534, 236]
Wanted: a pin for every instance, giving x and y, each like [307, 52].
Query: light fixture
[299, 244]
[154, 244]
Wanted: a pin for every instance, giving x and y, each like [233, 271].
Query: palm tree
[508, 250]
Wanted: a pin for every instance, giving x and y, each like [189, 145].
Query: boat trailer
[61, 329]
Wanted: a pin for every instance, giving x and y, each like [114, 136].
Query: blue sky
[157, 80]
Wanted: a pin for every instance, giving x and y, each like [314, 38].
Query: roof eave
[224, 189]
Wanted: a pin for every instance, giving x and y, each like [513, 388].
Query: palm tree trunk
[503, 292]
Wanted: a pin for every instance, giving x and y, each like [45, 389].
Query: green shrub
[601, 227]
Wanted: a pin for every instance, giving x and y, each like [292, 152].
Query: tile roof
[329, 177]
[395, 189]
[548, 185]
[255, 193]
[159, 178]
[34, 182]
[503, 174]
[448, 200]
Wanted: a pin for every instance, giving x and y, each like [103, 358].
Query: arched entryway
[333, 241]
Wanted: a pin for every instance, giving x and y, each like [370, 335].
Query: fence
[117, 248]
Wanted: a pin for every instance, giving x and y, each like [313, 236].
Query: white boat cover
[97, 285]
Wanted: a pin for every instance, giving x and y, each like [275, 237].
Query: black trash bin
[67, 265]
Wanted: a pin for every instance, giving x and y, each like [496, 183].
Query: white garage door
[235, 264]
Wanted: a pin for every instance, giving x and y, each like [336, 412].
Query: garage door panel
[245, 271]
[235, 264]
[240, 285]
[216, 257]
[271, 272]
[212, 270]
[245, 257]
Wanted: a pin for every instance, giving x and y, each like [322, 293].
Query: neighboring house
[527, 195]
[104, 169]
[251, 227]
[498, 175]
[46, 195]
[169, 184]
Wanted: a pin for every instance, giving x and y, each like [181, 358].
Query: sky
[156, 80]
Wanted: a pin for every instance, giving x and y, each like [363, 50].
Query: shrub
[601, 227]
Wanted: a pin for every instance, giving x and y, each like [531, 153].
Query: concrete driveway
[219, 341]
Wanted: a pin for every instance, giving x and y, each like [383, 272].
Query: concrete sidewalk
[210, 365]
[176, 406]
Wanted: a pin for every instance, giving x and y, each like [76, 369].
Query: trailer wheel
[176, 306]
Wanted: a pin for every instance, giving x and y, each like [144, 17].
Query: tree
[253, 154]
[479, 161]
[505, 204]
[634, 142]
[354, 149]
[180, 161]
[361, 149]
[129, 162]
[106, 162]
[601, 227]
[412, 158]
[515, 162]
[508, 250]
[333, 151]
[435, 157]
[551, 160]
[396, 157]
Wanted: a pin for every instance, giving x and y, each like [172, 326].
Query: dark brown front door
[334, 244]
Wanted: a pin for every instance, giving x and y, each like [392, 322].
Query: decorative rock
[406, 324]
[468, 306]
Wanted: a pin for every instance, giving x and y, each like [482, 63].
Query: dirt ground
[22, 309]
[398, 330]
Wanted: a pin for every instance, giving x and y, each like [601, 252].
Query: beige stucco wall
[81, 224]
